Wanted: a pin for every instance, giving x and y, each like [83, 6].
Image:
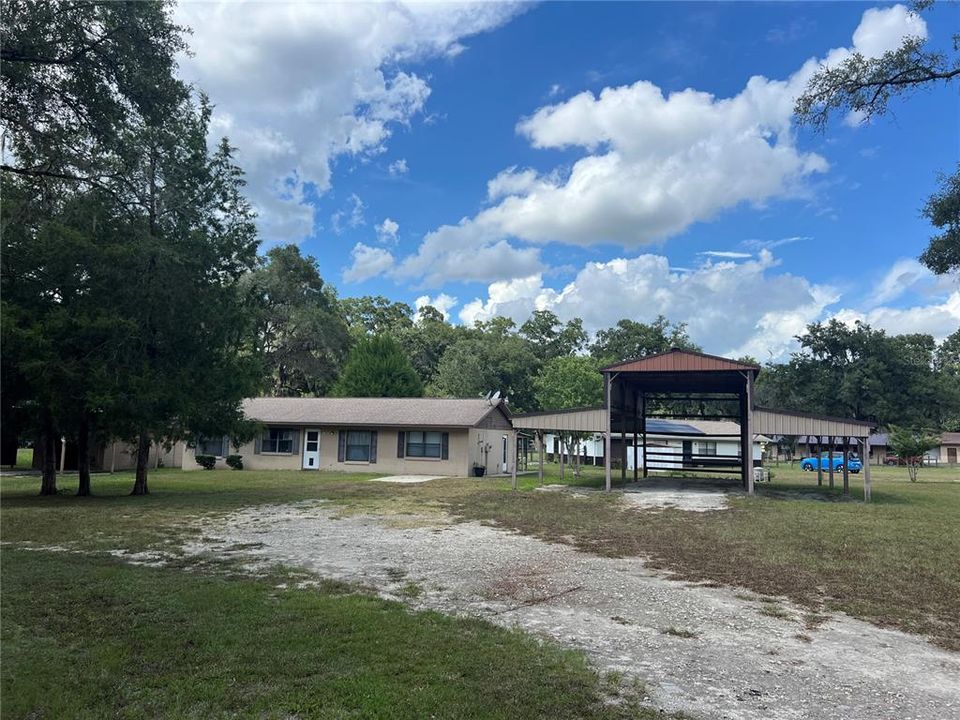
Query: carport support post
[830, 442]
[606, 438]
[540, 447]
[636, 469]
[643, 430]
[623, 449]
[746, 434]
[867, 490]
[819, 461]
[516, 458]
[846, 470]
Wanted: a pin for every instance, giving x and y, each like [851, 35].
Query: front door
[952, 455]
[311, 450]
[505, 457]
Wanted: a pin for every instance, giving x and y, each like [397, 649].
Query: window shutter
[342, 446]
[445, 446]
[373, 446]
[296, 441]
[401, 444]
[256, 443]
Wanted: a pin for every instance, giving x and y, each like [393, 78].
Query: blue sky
[599, 160]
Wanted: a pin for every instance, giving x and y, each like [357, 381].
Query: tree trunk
[143, 460]
[48, 438]
[83, 455]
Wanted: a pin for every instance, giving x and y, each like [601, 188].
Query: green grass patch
[90, 637]
[24, 458]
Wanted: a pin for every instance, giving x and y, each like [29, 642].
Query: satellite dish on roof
[495, 396]
[487, 396]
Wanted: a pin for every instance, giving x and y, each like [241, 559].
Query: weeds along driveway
[707, 651]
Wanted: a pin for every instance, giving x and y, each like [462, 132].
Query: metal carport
[670, 384]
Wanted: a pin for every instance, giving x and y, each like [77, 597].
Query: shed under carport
[688, 385]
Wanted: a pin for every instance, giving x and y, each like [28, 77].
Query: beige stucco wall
[120, 455]
[944, 453]
[457, 465]
[492, 440]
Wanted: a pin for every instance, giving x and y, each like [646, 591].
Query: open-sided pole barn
[685, 384]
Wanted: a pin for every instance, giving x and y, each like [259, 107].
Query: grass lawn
[85, 635]
[24, 458]
[88, 636]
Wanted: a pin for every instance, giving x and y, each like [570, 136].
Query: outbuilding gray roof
[398, 412]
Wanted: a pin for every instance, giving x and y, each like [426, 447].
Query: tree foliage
[865, 85]
[568, 382]
[300, 329]
[74, 74]
[376, 315]
[631, 339]
[862, 373]
[378, 367]
[910, 446]
[127, 235]
[942, 255]
[552, 338]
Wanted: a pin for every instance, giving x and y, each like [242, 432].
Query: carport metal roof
[765, 422]
[686, 376]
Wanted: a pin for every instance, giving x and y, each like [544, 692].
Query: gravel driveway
[739, 663]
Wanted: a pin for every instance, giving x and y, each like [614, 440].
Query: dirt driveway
[706, 651]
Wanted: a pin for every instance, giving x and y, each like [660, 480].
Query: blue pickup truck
[812, 463]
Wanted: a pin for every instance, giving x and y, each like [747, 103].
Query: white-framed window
[358, 446]
[216, 446]
[708, 447]
[277, 440]
[424, 444]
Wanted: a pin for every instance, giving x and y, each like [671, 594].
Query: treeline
[315, 344]
[856, 372]
[863, 373]
[127, 241]
[136, 306]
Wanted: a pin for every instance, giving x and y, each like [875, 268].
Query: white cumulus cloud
[651, 163]
[938, 318]
[731, 308]
[367, 262]
[387, 230]
[297, 85]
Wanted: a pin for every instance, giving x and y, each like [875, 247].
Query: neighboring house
[950, 448]
[422, 436]
[677, 437]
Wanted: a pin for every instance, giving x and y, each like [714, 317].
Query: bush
[235, 461]
[207, 462]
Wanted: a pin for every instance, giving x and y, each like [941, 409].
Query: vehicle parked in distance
[894, 459]
[810, 464]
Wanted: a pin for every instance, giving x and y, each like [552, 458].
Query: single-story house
[676, 437]
[419, 436]
[949, 450]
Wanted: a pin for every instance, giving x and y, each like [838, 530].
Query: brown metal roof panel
[678, 360]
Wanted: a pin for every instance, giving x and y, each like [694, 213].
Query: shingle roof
[950, 438]
[413, 412]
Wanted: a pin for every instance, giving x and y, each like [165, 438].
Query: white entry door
[505, 458]
[311, 450]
